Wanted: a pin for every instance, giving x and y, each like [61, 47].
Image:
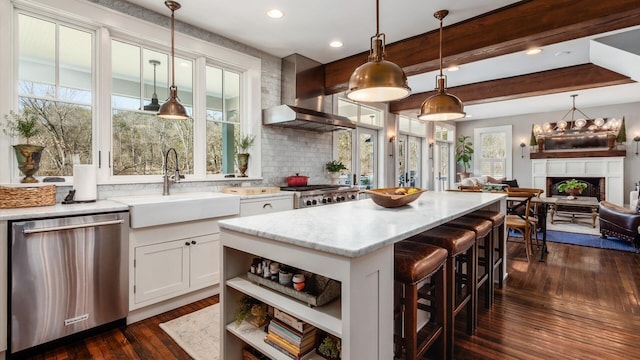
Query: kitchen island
[350, 242]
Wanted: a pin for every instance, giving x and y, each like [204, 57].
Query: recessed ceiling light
[336, 44]
[275, 13]
[453, 68]
[562, 53]
[535, 51]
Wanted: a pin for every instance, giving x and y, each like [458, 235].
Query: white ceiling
[308, 27]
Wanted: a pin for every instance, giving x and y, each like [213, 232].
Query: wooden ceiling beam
[541, 83]
[507, 30]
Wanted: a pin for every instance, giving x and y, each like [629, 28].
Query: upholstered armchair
[619, 222]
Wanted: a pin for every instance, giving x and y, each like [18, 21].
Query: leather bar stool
[460, 273]
[484, 253]
[419, 274]
[497, 218]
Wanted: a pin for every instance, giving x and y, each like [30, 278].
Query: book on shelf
[292, 321]
[291, 335]
[291, 351]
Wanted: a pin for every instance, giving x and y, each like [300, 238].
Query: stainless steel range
[316, 195]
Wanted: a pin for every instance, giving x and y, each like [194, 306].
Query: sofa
[479, 181]
[620, 222]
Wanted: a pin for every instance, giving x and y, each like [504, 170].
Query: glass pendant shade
[378, 80]
[441, 106]
[172, 109]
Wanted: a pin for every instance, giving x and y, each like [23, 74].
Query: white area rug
[197, 333]
[574, 228]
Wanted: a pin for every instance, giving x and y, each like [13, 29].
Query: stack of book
[290, 335]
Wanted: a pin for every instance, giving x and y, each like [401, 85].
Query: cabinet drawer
[265, 206]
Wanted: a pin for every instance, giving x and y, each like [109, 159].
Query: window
[55, 65]
[103, 108]
[140, 138]
[359, 153]
[223, 119]
[492, 150]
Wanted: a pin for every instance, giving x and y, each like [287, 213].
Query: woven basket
[19, 197]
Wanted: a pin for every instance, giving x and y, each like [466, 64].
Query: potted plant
[572, 187]
[329, 347]
[25, 126]
[334, 167]
[243, 145]
[252, 310]
[464, 150]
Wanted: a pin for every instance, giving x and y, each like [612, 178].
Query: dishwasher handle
[70, 227]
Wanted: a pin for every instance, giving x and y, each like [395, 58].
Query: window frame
[108, 25]
[508, 153]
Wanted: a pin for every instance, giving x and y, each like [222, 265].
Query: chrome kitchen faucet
[176, 173]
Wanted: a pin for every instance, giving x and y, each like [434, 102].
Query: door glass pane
[441, 165]
[368, 152]
[75, 65]
[37, 56]
[413, 161]
[402, 161]
[345, 155]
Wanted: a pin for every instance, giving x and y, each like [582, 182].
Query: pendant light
[153, 105]
[441, 106]
[378, 80]
[172, 109]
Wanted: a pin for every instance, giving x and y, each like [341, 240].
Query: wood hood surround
[503, 31]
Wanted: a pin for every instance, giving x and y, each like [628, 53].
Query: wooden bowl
[386, 197]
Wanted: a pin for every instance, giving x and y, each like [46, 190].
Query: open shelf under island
[350, 242]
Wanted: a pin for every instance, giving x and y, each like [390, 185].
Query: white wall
[522, 130]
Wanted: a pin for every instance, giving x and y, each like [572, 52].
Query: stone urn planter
[243, 164]
[28, 157]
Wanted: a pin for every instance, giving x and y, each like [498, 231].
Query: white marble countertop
[61, 210]
[355, 228]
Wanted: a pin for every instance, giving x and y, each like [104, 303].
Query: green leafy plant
[335, 166]
[572, 184]
[622, 133]
[251, 307]
[245, 142]
[464, 150]
[329, 347]
[22, 124]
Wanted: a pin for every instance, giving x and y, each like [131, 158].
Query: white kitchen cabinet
[255, 205]
[168, 268]
[172, 260]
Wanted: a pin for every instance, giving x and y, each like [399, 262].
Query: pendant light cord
[440, 47]
[377, 18]
[173, 59]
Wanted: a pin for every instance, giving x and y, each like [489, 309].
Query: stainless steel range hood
[303, 99]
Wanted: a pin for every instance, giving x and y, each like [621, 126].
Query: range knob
[342, 198]
[314, 202]
[308, 202]
[329, 200]
[353, 197]
[324, 201]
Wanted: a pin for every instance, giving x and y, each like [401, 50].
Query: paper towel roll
[84, 182]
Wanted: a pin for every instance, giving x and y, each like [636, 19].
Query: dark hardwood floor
[582, 303]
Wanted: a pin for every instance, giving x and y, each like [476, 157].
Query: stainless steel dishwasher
[67, 275]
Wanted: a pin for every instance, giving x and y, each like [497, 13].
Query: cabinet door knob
[193, 242]
[267, 204]
[187, 243]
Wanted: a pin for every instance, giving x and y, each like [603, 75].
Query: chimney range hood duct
[303, 99]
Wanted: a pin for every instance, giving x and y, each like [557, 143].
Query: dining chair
[519, 216]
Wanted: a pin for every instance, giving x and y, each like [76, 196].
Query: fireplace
[595, 186]
[611, 169]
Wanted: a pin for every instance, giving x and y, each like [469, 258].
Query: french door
[409, 160]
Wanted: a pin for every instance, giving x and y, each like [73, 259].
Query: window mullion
[103, 105]
[200, 118]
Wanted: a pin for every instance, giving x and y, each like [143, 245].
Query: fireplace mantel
[577, 154]
[609, 168]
